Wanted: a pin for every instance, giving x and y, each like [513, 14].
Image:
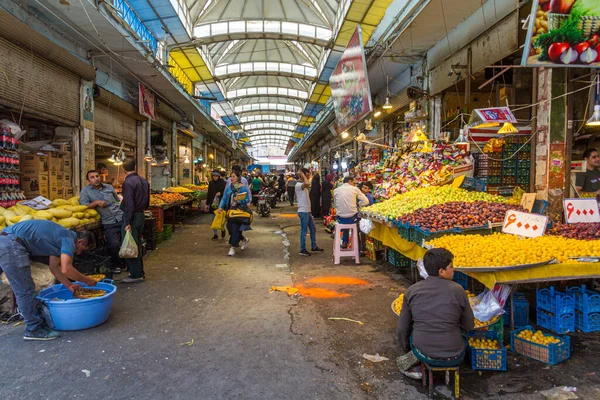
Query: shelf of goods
[407, 168]
[166, 199]
[10, 175]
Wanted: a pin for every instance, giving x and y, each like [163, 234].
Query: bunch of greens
[567, 32]
[586, 7]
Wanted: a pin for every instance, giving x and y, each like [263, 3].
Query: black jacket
[215, 187]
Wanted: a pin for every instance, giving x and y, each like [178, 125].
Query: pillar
[551, 150]
[148, 126]
[141, 165]
[174, 155]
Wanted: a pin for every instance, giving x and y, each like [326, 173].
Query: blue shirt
[43, 238]
[245, 183]
[111, 214]
[225, 201]
[371, 198]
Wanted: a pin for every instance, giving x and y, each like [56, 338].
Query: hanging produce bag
[129, 248]
[219, 221]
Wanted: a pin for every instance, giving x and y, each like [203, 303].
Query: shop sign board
[524, 224]
[581, 210]
[562, 33]
[349, 83]
[147, 103]
[496, 114]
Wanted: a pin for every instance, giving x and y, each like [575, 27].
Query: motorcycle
[264, 203]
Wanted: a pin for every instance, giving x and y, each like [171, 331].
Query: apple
[561, 6]
[556, 49]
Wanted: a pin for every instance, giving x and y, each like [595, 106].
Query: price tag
[528, 201]
[524, 224]
[581, 210]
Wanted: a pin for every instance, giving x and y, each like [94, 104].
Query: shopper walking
[136, 198]
[257, 184]
[235, 197]
[244, 181]
[346, 199]
[315, 196]
[216, 188]
[327, 194]
[103, 198]
[291, 189]
[281, 187]
[306, 219]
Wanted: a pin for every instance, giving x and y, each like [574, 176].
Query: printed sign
[581, 210]
[524, 224]
[528, 201]
[496, 114]
[147, 103]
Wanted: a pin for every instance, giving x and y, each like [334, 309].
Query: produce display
[538, 337]
[67, 213]
[397, 304]
[408, 202]
[197, 188]
[165, 198]
[179, 189]
[460, 214]
[487, 344]
[581, 231]
[501, 249]
[97, 277]
[480, 324]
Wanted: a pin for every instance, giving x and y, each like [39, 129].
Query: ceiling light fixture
[166, 160]
[377, 113]
[387, 105]
[118, 161]
[148, 157]
[595, 118]
[154, 163]
[345, 135]
[112, 158]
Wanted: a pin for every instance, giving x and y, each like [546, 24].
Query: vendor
[434, 313]
[40, 238]
[103, 198]
[102, 171]
[588, 183]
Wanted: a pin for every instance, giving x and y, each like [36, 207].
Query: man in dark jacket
[136, 198]
[216, 188]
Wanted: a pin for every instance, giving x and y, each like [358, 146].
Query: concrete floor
[248, 343]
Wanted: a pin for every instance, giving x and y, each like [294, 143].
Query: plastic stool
[426, 370]
[354, 250]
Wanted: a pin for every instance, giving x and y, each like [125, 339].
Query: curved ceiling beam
[268, 125]
[267, 107]
[277, 95]
[276, 132]
[252, 35]
[262, 118]
[265, 68]
[257, 113]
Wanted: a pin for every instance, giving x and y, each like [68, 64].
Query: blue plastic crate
[404, 230]
[561, 323]
[419, 235]
[587, 322]
[397, 259]
[554, 301]
[486, 359]
[461, 279]
[521, 311]
[552, 353]
[586, 301]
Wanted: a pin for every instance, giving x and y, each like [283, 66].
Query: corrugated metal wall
[37, 85]
[111, 123]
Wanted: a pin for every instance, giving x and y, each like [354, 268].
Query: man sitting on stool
[346, 200]
[433, 314]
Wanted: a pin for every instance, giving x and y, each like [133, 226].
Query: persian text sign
[496, 114]
[524, 224]
[581, 210]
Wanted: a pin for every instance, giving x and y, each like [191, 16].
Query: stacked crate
[587, 308]
[555, 310]
[148, 233]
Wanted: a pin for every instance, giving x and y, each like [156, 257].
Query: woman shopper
[281, 187]
[291, 189]
[236, 197]
[216, 188]
[327, 195]
[315, 196]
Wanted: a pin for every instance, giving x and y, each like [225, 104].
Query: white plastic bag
[129, 248]
[366, 225]
[486, 306]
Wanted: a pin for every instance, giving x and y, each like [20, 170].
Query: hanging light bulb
[462, 139]
[337, 154]
[118, 161]
[377, 113]
[345, 135]
[112, 158]
[361, 137]
[154, 163]
[166, 160]
[387, 105]
[148, 157]
[595, 119]
[186, 160]
[335, 165]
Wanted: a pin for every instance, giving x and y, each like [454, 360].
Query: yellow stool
[431, 370]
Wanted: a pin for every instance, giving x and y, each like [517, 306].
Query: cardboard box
[35, 185]
[67, 162]
[53, 178]
[54, 162]
[68, 193]
[66, 178]
[64, 148]
[33, 164]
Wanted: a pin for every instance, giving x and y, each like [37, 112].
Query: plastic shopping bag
[129, 248]
[486, 306]
[216, 202]
[219, 221]
[366, 226]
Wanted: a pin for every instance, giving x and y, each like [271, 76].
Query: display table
[389, 237]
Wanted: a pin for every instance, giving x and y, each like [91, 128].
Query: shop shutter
[39, 87]
[111, 123]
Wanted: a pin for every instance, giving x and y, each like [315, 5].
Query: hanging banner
[496, 114]
[349, 83]
[524, 224]
[147, 103]
[563, 33]
[581, 210]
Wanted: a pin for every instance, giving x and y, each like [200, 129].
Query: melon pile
[66, 213]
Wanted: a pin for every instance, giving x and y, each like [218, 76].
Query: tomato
[593, 40]
[581, 47]
[556, 49]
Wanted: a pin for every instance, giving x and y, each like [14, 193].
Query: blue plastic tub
[63, 312]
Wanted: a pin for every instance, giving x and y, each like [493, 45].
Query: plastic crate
[552, 353]
[404, 230]
[91, 263]
[561, 323]
[586, 301]
[397, 259]
[461, 279]
[419, 235]
[554, 301]
[159, 216]
[521, 311]
[167, 232]
[487, 359]
[497, 327]
[587, 322]
[158, 237]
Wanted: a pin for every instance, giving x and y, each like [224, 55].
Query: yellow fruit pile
[179, 189]
[480, 324]
[504, 250]
[66, 213]
[469, 294]
[487, 344]
[408, 202]
[538, 337]
[398, 304]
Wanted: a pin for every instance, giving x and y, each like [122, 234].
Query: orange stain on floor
[338, 280]
[319, 293]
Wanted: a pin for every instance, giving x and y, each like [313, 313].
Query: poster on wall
[349, 83]
[87, 101]
[147, 103]
[563, 33]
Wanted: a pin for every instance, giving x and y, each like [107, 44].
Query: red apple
[561, 6]
[556, 49]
